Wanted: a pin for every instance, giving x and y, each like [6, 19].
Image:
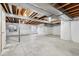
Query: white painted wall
[70, 30]
[0, 28]
[75, 31]
[66, 30]
[31, 29]
[24, 29]
[34, 29]
[56, 30]
[43, 30]
[3, 30]
[11, 33]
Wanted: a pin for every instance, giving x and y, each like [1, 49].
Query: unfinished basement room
[39, 29]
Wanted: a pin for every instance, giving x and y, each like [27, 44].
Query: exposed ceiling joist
[43, 17]
[74, 14]
[7, 6]
[14, 9]
[3, 7]
[24, 17]
[72, 7]
[10, 8]
[7, 9]
[31, 22]
[17, 11]
[63, 5]
[34, 8]
[34, 14]
[74, 10]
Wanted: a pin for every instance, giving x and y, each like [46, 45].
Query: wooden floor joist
[63, 5]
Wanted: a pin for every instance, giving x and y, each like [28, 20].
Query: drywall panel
[66, 30]
[75, 31]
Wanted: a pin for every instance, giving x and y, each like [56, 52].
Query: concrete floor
[40, 45]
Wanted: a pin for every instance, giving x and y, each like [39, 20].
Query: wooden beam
[31, 22]
[10, 6]
[34, 22]
[7, 6]
[24, 17]
[14, 9]
[37, 22]
[63, 5]
[7, 9]
[72, 7]
[27, 22]
[22, 11]
[19, 11]
[74, 13]
[32, 14]
[42, 17]
[2, 4]
[73, 10]
[27, 12]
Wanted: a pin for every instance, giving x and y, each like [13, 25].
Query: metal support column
[19, 31]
